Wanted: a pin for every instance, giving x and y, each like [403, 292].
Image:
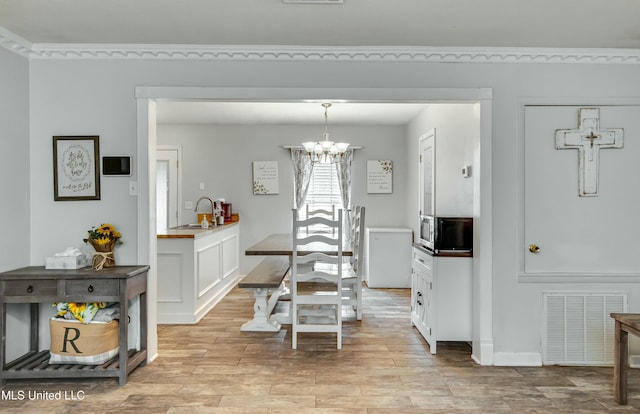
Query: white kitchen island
[196, 269]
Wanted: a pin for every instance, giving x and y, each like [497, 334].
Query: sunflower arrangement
[103, 239]
[103, 235]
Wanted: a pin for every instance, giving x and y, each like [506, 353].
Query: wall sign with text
[265, 177]
[379, 176]
[76, 168]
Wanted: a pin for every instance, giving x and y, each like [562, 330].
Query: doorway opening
[148, 97]
[168, 186]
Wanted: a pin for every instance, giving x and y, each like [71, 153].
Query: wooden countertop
[192, 232]
[448, 253]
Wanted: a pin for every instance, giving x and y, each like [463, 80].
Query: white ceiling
[416, 23]
[465, 23]
[286, 113]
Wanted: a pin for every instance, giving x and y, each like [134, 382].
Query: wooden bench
[267, 282]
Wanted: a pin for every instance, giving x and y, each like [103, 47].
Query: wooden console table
[625, 323]
[35, 285]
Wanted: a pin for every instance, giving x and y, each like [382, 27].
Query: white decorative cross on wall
[588, 139]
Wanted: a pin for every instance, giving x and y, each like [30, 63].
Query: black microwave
[443, 235]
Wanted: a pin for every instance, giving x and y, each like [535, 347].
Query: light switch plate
[133, 188]
[188, 205]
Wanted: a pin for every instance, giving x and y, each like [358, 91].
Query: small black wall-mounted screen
[116, 165]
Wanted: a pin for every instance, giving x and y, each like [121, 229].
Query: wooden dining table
[270, 311]
[281, 244]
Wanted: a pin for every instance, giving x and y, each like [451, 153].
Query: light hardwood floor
[384, 367]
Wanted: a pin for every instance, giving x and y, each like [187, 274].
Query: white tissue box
[65, 262]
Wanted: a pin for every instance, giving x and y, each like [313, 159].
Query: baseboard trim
[517, 359]
[482, 352]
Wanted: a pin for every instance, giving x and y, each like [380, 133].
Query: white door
[167, 187]
[427, 167]
[577, 234]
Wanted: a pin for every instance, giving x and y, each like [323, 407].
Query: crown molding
[14, 43]
[314, 53]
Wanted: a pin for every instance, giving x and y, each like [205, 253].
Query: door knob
[534, 248]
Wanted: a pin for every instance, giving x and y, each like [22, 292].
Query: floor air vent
[578, 329]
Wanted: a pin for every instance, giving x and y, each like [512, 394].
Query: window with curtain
[321, 185]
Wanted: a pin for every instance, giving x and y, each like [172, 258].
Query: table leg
[262, 310]
[3, 341]
[143, 324]
[621, 356]
[123, 334]
[35, 327]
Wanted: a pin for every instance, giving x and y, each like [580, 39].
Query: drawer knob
[90, 288]
[419, 294]
[29, 289]
[419, 303]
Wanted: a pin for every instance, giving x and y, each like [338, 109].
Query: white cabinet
[441, 296]
[194, 273]
[421, 296]
[387, 257]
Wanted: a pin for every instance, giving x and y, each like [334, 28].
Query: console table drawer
[29, 288]
[95, 287]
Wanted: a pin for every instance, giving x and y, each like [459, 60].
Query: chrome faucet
[213, 210]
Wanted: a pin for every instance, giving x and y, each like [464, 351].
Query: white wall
[221, 156]
[97, 97]
[14, 160]
[457, 135]
[457, 128]
[81, 101]
[14, 183]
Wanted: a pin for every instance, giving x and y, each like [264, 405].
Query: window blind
[324, 190]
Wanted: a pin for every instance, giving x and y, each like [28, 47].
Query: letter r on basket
[70, 340]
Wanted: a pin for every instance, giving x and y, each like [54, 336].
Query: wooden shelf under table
[37, 364]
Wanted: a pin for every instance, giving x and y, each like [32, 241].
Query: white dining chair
[316, 295]
[320, 212]
[352, 266]
[352, 275]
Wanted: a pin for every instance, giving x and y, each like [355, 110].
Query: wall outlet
[133, 188]
[188, 205]
[202, 186]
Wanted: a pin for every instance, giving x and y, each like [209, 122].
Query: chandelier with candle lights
[325, 150]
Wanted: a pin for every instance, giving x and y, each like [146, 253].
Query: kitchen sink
[186, 226]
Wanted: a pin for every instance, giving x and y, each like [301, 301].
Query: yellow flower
[103, 234]
[102, 240]
[77, 309]
[106, 229]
